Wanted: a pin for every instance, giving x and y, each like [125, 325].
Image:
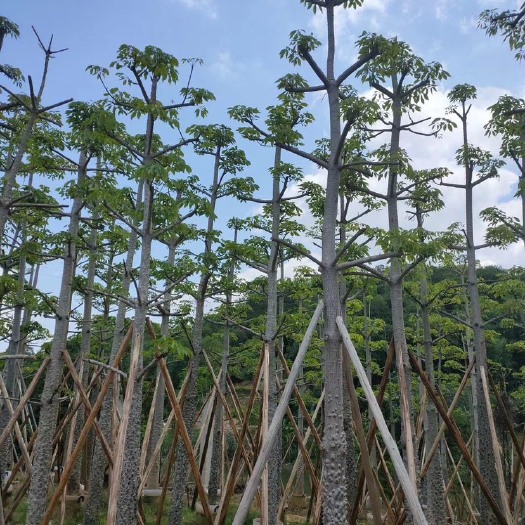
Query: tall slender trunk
[274, 462]
[127, 468]
[396, 294]
[435, 495]
[99, 461]
[37, 497]
[180, 472]
[218, 423]
[335, 509]
[158, 415]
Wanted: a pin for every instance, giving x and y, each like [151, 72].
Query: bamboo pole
[395, 456]
[251, 486]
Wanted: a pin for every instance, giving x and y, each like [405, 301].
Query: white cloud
[427, 152]
[208, 7]
[224, 66]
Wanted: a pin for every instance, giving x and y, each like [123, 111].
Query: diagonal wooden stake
[23, 402]
[183, 432]
[395, 456]
[85, 431]
[87, 404]
[504, 497]
[251, 486]
[456, 435]
[234, 467]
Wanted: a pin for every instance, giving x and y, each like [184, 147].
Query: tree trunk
[37, 497]
[99, 461]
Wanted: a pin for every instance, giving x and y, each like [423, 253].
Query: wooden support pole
[290, 484]
[391, 445]
[227, 411]
[456, 435]
[183, 432]
[443, 426]
[496, 447]
[23, 402]
[87, 404]
[251, 486]
[370, 439]
[300, 402]
[375, 501]
[232, 474]
[85, 431]
[18, 432]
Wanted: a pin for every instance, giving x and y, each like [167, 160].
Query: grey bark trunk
[335, 509]
[487, 458]
[180, 472]
[158, 416]
[215, 482]
[99, 461]
[435, 495]
[37, 497]
[73, 485]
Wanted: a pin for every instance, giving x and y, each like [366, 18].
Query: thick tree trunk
[37, 497]
[99, 461]
[129, 474]
[335, 508]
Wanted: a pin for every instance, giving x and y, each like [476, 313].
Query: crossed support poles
[252, 451]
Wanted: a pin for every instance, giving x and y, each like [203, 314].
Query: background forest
[297, 298]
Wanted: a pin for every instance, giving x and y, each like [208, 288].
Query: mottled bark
[396, 293]
[217, 454]
[99, 461]
[130, 468]
[77, 422]
[435, 496]
[37, 497]
[189, 410]
[486, 459]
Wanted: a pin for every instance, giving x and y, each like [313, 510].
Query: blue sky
[239, 42]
